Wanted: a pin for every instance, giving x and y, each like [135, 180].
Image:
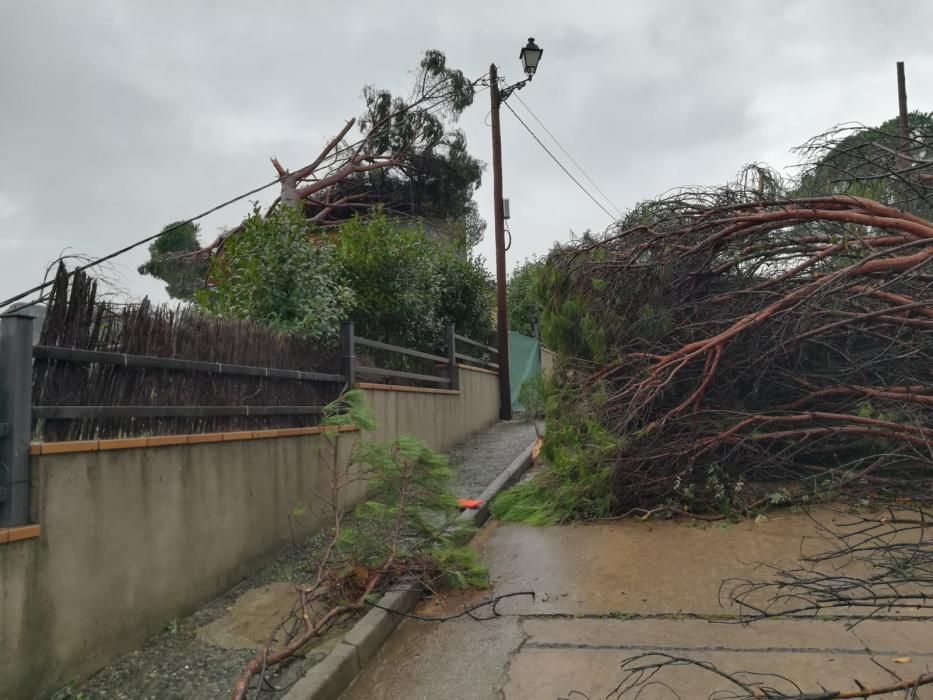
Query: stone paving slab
[428, 661]
[539, 674]
[889, 638]
[606, 592]
[647, 567]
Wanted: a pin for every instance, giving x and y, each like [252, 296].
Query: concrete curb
[508, 476]
[328, 679]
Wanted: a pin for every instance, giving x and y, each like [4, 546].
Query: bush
[524, 296]
[466, 296]
[272, 272]
[408, 287]
[395, 283]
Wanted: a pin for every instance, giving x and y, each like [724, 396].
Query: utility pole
[502, 313]
[530, 55]
[902, 105]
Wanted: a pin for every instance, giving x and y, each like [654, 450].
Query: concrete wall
[548, 360]
[132, 538]
[439, 417]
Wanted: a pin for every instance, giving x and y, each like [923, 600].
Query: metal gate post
[452, 357]
[15, 417]
[348, 356]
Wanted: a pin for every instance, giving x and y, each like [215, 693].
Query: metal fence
[15, 418]
[42, 386]
[447, 375]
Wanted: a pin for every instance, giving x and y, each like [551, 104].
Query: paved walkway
[197, 657]
[606, 592]
[479, 459]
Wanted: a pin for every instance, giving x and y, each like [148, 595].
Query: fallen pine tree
[724, 349]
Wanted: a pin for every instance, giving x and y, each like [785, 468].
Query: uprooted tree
[404, 159]
[401, 156]
[730, 347]
[377, 229]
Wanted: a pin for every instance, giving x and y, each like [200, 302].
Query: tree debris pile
[741, 347]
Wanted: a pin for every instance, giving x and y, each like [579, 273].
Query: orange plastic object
[469, 503]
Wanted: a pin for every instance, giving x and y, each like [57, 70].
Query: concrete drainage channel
[329, 678]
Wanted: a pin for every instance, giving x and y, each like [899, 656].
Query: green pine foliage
[348, 410]
[856, 164]
[183, 276]
[409, 515]
[579, 452]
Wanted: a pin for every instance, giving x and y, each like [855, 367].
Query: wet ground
[607, 592]
[479, 460]
[197, 657]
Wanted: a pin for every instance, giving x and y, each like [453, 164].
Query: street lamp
[530, 56]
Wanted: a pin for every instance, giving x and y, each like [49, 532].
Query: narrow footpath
[198, 657]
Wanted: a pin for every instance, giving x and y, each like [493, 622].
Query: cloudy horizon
[119, 117]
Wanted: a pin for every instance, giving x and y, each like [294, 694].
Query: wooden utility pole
[502, 313]
[902, 105]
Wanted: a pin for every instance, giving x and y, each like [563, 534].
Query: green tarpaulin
[524, 363]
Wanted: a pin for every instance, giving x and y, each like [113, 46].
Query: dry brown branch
[645, 670]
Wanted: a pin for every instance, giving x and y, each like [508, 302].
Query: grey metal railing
[493, 352]
[351, 367]
[15, 417]
[450, 379]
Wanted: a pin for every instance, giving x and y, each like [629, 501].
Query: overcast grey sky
[118, 116]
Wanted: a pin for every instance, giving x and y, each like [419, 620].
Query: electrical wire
[559, 164]
[143, 241]
[566, 153]
[97, 261]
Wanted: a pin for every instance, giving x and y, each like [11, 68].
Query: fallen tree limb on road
[642, 671]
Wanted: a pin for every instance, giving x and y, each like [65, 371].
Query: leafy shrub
[272, 272]
[524, 296]
[408, 287]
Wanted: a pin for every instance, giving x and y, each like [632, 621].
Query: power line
[110, 256]
[97, 261]
[559, 164]
[566, 153]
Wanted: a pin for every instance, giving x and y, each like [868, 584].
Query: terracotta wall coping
[413, 389]
[493, 372]
[55, 448]
[16, 534]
